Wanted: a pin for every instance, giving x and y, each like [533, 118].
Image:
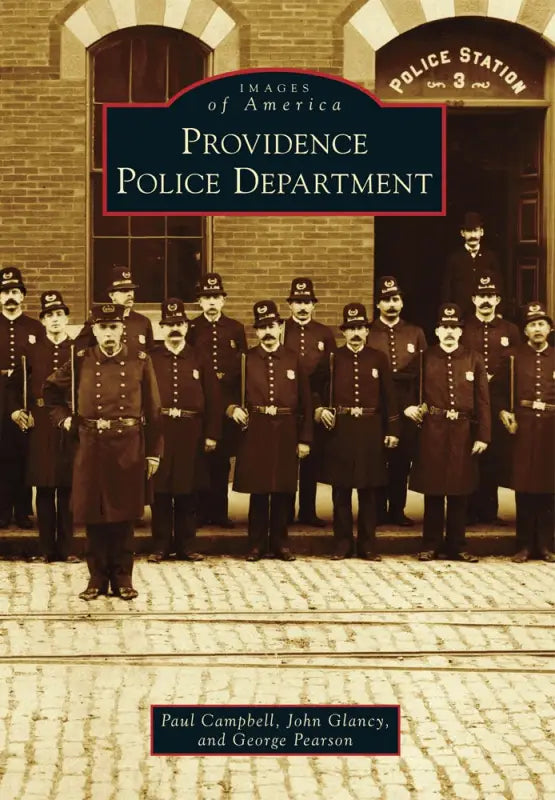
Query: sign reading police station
[274, 142]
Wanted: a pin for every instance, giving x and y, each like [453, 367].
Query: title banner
[274, 142]
[275, 730]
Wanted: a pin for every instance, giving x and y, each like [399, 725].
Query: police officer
[528, 413]
[275, 412]
[191, 423]
[402, 343]
[313, 342]
[221, 340]
[362, 422]
[50, 448]
[467, 263]
[19, 333]
[455, 399]
[117, 411]
[137, 329]
[493, 337]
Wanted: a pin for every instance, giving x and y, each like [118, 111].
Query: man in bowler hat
[117, 415]
[313, 342]
[274, 409]
[455, 420]
[361, 424]
[191, 424]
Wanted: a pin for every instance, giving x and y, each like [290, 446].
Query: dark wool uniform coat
[221, 344]
[454, 381]
[494, 341]
[267, 453]
[461, 274]
[186, 381]
[402, 344]
[354, 451]
[17, 338]
[137, 334]
[533, 456]
[109, 466]
[51, 448]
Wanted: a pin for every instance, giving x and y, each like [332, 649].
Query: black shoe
[500, 523]
[72, 559]
[368, 555]
[522, 556]
[92, 592]
[427, 555]
[254, 554]
[40, 559]
[155, 558]
[190, 557]
[312, 522]
[5, 522]
[127, 593]
[464, 555]
[223, 522]
[285, 555]
[401, 520]
[26, 523]
[341, 551]
[547, 555]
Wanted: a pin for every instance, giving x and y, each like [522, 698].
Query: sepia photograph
[277, 399]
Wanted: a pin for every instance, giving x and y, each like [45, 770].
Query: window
[166, 254]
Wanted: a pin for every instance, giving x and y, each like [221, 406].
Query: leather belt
[271, 410]
[178, 412]
[356, 411]
[449, 413]
[537, 405]
[39, 402]
[106, 424]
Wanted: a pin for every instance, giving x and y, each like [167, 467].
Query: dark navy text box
[275, 730]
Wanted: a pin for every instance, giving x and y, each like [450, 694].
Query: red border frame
[277, 705]
[256, 70]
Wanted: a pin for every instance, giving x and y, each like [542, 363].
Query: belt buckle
[538, 405]
[356, 411]
[271, 410]
[174, 412]
[452, 414]
[102, 424]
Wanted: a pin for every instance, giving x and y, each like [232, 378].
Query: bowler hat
[173, 310]
[354, 315]
[265, 312]
[486, 283]
[121, 280]
[535, 310]
[387, 287]
[52, 301]
[210, 284]
[302, 289]
[10, 278]
[450, 316]
[471, 221]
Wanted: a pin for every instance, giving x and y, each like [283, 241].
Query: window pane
[147, 265]
[106, 253]
[184, 226]
[148, 67]
[148, 226]
[111, 72]
[104, 226]
[184, 267]
[186, 65]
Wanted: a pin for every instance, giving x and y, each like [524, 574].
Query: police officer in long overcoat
[493, 337]
[403, 344]
[19, 333]
[51, 448]
[191, 424]
[221, 340]
[313, 342]
[456, 424]
[275, 411]
[117, 413]
[362, 423]
[526, 396]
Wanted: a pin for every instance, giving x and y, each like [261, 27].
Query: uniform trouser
[343, 518]
[214, 501]
[268, 516]
[534, 521]
[110, 554]
[173, 513]
[398, 468]
[435, 519]
[55, 521]
[483, 503]
[14, 493]
[308, 471]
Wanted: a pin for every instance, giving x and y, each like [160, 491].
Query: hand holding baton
[244, 388]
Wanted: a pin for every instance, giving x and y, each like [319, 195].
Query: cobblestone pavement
[466, 650]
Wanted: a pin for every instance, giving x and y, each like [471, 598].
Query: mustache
[269, 337]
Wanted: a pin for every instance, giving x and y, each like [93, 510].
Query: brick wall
[43, 176]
